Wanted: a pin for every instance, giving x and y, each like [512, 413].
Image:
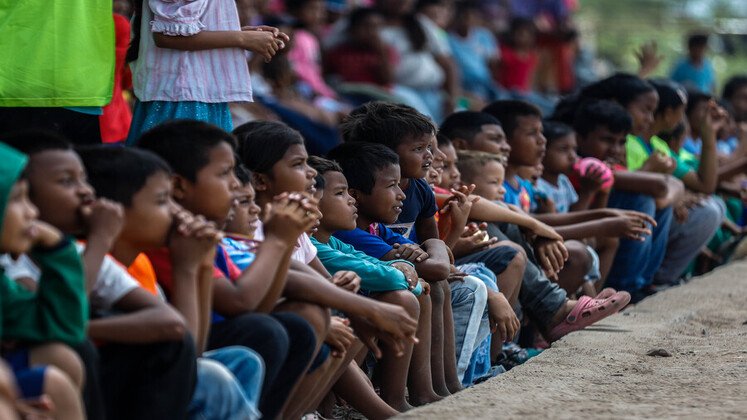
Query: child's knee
[512, 244]
[317, 316]
[578, 256]
[60, 388]
[63, 358]
[403, 298]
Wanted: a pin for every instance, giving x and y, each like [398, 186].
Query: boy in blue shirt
[696, 71]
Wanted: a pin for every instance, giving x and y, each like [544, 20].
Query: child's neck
[363, 222]
[404, 183]
[511, 172]
[125, 252]
[551, 177]
[322, 235]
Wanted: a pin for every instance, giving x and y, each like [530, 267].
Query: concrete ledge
[605, 372]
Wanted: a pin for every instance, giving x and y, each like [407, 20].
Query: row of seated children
[432, 286]
[263, 294]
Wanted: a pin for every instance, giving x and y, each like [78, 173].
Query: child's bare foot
[455, 387]
[401, 407]
[417, 400]
[443, 392]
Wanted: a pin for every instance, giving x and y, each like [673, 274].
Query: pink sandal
[605, 293]
[587, 312]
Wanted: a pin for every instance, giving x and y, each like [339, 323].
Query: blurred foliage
[616, 29]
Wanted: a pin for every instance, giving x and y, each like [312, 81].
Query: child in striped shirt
[188, 60]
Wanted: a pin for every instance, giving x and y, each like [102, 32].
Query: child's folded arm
[146, 320]
[376, 275]
[58, 311]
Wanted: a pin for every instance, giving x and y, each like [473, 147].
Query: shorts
[30, 379]
[594, 274]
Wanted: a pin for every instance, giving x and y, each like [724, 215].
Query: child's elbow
[173, 327]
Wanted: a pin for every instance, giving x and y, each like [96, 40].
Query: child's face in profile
[148, 219]
[641, 110]
[416, 156]
[451, 178]
[489, 181]
[491, 139]
[244, 218]
[337, 205]
[17, 231]
[561, 155]
[60, 189]
[603, 144]
[384, 203]
[213, 192]
[292, 173]
[527, 142]
[437, 168]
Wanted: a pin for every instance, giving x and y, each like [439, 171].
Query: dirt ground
[605, 372]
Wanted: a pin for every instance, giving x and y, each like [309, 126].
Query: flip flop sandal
[587, 312]
[605, 293]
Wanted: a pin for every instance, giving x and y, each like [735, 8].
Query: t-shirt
[637, 152]
[305, 58]
[56, 53]
[113, 281]
[419, 204]
[702, 78]
[142, 270]
[304, 251]
[417, 69]
[563, 195]
[355, 65]
[520, 196]
[376, 275]
[376, 242]
[241, 252]
[516, 71]
[473, 53]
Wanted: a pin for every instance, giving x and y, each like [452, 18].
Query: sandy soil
[605, 372]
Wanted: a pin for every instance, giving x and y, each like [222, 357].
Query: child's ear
[259, 181]
[460, 144]
[179, 187]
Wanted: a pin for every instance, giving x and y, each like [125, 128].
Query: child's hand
[460, 205]
[503, 320]
[104, 218]
[193, 241]
[543, 230]
[714, 119]
[551, 256]
[289, 216]
[348, 280]
[339, 336]
[426, 287]
[410, 252]
[46, 235]
[659, 162]
[474, 239]
[593, 179]
[648, 58]
[262, 42]
[628, 227]
[410, 274]
[455, 274]
[264, 28]
[393, 319]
